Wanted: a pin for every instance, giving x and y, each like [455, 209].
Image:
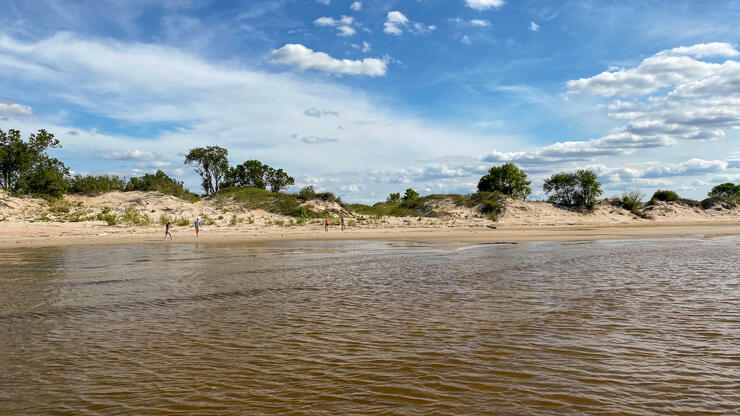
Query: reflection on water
[625, 327]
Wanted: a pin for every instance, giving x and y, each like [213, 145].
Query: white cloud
[132, 155]
[356, 6]
[343, 24]
[396, 22]
[534, 26]
[703, 50]
[315, 112]
[325, 21]
[480, 22]
[346, 31]
[8, 109]
[303, 58]
[484, 4]
[324, 2]
[365, 46]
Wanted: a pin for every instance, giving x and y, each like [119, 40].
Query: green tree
[507, 179]
[410, 195]
[727, 190]
[250, 174]
[212, 165]
[48, 177]
[19, 158]
[579, 189]
[278, 179]
[394, 197]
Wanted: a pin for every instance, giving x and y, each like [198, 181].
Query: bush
[579, 189]
[410, 195]
[507, 179]
[632, 201]
[95, 185]
[274, 202]
[491, 203]
[725, 202]
[132, 217]
[664, 195]
[160, 182]
[727, 190]
[393, 197]
[47, 177]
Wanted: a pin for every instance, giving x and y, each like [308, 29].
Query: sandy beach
[33, 222]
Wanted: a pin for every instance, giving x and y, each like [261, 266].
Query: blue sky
[364, 98]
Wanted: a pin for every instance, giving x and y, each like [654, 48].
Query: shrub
[160, 182]
[234, 220]
[184, 222]
[273, 202]
[393, 197]
[93, 185]
[579, 189]
[132, 217]
[491, 203]
[727, 190]
[164, 219]
[58, 205]
[725, 202]
[410, 195]
[507, 179]
[632, 201]
[664, 195]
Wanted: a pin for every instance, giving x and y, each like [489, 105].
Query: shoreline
[460, 234]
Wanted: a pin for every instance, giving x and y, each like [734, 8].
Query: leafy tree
[18, 158]
[250, 174]
[394, 197]
[48, 177]
[727, 190]
[212, 165]
[507, 179]
[410, 195]
[278, 179]
[579, 189]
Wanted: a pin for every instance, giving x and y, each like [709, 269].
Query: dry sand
[29, 222]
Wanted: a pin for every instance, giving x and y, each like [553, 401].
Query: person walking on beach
[341, 221]
[167, 230]
[326, 224]
[197, 227]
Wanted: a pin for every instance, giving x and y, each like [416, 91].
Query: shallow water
[611, 327]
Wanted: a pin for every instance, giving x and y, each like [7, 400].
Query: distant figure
[167, 230]
[341, 221]
[326, 224]
[197, 227]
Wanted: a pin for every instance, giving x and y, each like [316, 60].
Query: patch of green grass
[164, 219]
[273, 202]
[133, 217]
[234, 220]
[184, 222]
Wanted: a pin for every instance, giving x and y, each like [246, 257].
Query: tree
[394, 197]
[507, 179]
[19, 158]
[278, 179]
[410, 195]
[579, 189]
[727, 190]
[48, 177]
[212, 165]
[250, 174]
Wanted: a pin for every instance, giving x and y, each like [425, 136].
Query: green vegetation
[393, 197]
[632, 201]
[664, 195]
[25, 168]
[58, 205]
[96, 185]
[506, 179]
[307, 193]
[274, 202]
[410, 195]
[160, 182]
[184, 222]
[579, 189]
[212, 165]
[132, 217]
[726, 190]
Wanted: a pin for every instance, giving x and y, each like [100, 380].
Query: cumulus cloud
[318, 140]
[534, 27]
[480, 22]
[484, 4]
[303, 58]
[356, 6]
[132, 155]
[8, 109]
[343, 24]
[703, 50]
[396, 22]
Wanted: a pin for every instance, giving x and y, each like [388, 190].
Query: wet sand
[67, 234]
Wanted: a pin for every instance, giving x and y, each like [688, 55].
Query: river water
[328, 328]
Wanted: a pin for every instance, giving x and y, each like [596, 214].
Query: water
[613, 327]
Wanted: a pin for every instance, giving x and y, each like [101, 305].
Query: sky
[365, 98]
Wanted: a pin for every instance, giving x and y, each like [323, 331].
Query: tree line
[26, 168]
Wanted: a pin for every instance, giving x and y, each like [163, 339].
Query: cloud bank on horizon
[367, 98]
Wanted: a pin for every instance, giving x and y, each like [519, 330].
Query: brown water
[617, 327]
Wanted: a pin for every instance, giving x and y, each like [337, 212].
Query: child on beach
[197, 227]
[326, 224]
[341, 222]
[167, 230]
